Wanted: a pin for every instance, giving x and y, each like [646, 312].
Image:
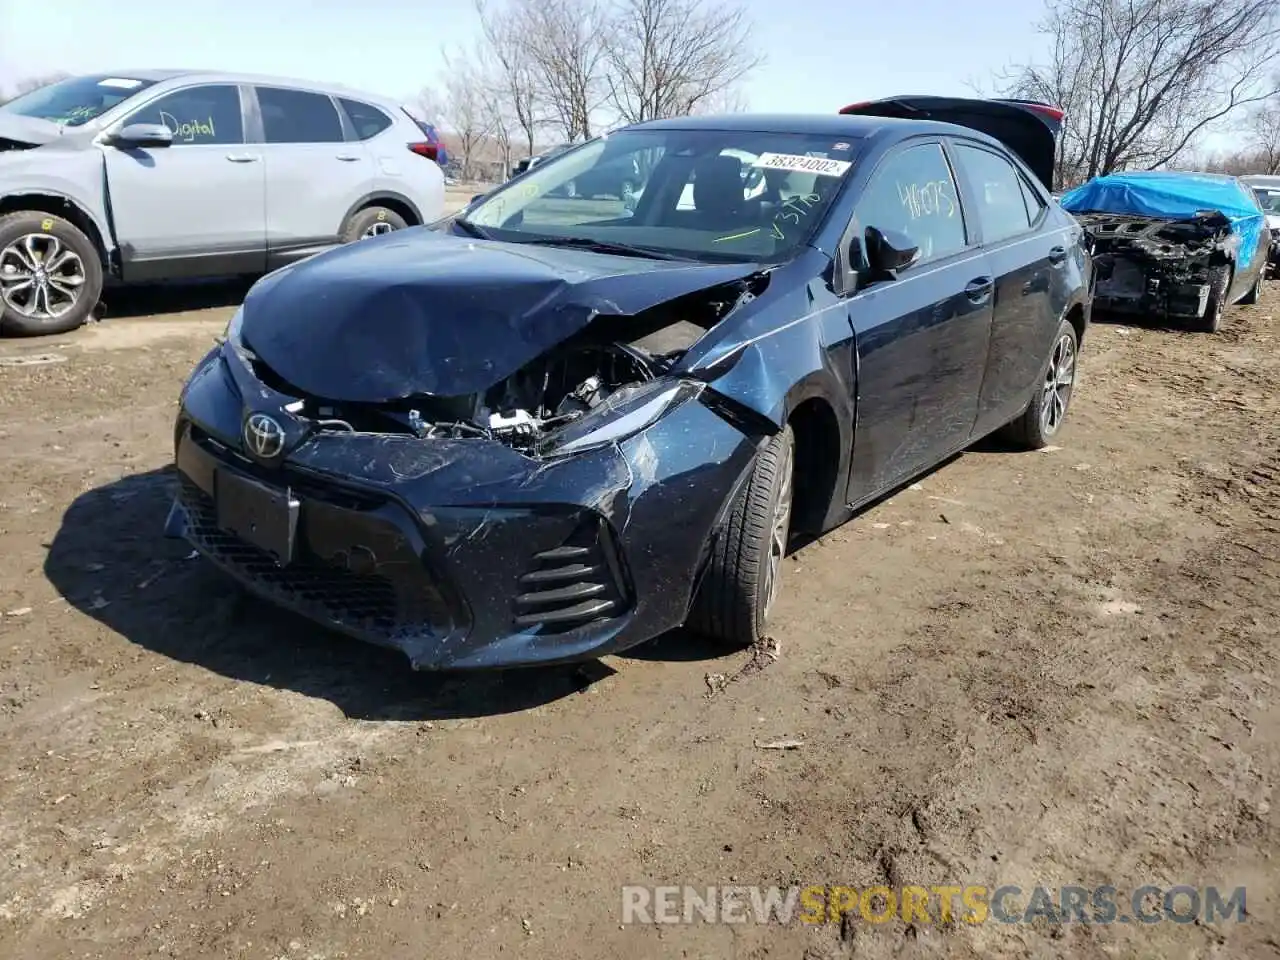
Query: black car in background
[546, 431]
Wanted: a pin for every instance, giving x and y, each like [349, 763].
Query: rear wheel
[744, 572]
[50, 274]
[1041, 421]
[372, 222]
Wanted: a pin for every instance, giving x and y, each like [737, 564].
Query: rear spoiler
[1029, 128]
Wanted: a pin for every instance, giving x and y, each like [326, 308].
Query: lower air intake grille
[572, 584]
[373, 605]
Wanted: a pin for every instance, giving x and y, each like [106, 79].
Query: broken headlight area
[1156, 264]
[573, 399]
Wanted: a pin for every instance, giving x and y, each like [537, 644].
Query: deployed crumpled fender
[418, 312]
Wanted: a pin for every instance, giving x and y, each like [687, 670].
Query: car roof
[822, 124]
[1262, 179]
[224, 76]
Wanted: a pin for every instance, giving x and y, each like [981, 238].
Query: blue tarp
[1177, 195]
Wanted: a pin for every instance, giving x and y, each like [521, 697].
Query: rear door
[198, 206]
[921, 337]
[1028, 128]
[314, 176]
[1027, 252]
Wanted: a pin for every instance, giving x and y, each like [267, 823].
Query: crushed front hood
[420, 312]
[30, 130]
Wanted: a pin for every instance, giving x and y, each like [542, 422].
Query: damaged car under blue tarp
[1179, 245]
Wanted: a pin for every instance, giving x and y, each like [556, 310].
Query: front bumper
[465, 554]
[1123, 286]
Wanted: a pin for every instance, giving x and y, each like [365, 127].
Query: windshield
[75, 101]
[700, 194]
[1268, 198]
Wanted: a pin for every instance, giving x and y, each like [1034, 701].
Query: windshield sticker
[840, 146]
[798, 164]
[120, 83]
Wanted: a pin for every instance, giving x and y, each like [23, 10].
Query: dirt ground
[1053, 668]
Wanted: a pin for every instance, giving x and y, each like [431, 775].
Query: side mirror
[142, 135]
[478, 196]
[889, 252]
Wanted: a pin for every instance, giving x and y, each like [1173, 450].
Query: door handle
[242, 157]
[1057, 255]
[979, 289]
[347, 158]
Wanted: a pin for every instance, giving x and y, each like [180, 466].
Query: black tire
[53, 236]
[370, 221]
[1042, 419]
[1219, 284]
[740, 583]
[1255, 292]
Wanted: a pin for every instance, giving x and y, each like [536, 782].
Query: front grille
[372, 605]
[572, 584]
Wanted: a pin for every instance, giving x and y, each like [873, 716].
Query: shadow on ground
[110, 560]
[177, 296]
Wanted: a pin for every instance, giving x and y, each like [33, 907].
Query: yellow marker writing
[737, 236]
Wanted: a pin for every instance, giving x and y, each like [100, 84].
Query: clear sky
[821, 53]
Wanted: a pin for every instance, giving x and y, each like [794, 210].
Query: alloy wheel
[41, 278]
[1058, 382]
[779, 530]
[377, 229]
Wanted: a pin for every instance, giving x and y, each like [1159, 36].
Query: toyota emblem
[263, 436]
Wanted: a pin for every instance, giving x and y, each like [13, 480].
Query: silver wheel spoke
[41, 277]
[21, 250]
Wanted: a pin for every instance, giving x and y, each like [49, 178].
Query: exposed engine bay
[550, 392]
[1154, 263]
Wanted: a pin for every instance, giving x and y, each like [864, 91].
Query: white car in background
[1266, 189]
[146, 175]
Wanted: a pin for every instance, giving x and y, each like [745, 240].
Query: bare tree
[1140, 80]
[429, 105]
[27, 84]
[466, 107]
[1264, 126]
[565, 42]
[668, 58]
[515, 71]
[729, 100]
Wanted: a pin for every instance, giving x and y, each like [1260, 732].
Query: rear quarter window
[367, 120]
[999, 192]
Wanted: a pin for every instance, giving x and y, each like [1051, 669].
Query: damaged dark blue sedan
[565, 421]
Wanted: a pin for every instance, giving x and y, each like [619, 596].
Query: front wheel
[50, 274]
[1219, 285]
[371, 222]
[1043, 417]
[744, 571]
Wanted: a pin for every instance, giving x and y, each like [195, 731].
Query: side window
[296, 116]
[914, 193]
[197, 115]
[1032, 199]
[1002, 211]
[367, 120]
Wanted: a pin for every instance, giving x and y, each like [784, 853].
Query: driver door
[922, 337]
[198, 206]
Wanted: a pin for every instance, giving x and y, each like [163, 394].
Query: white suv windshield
[702, 194]
[75, 101]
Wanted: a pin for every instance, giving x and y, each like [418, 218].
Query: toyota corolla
[552, 427]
